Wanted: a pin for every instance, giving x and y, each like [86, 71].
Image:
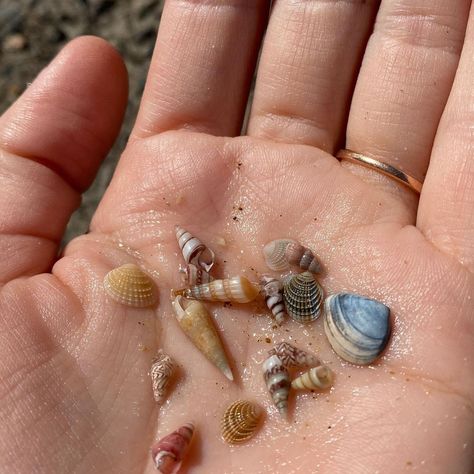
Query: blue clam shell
[358, 328]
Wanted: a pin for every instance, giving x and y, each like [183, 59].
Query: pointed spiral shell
[303, 297]
[162, 369]
[278, 383]
[236, 289]
[273, 292]
[240, 421]
[291, 356]
[194, 251]
[169, 452]
[130, 286]
[281, 253]
[316, 378]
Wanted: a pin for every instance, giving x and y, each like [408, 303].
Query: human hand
[74, 387]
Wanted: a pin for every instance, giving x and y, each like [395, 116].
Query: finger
[52, 141]
[202, 66]
[446, 212]
[405, 79]
[306, 70]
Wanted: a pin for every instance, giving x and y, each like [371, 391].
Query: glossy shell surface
[303, 297]
[292, 356]
[168, 453]
[358, 328]
[316, 378]
[130, 286]
[193, 250]
[280, 254]
[236, 289]
[277, 380]
[272, 289]
[197, 324]
[162, 369]
[240, 422]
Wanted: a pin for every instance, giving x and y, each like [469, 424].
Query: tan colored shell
[292, 356]
[240, 421]
[162, 369]
[316, 378]
[281, 253]
[130, 286]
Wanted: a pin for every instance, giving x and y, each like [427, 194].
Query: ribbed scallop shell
[195, 275]
[193, 250]
[278, 383]
[281, 253]
[128, 285]
[236, 289]
[273, 292]
[316, 378]
[303, 297]
[240, 422]
[162, 369]
[168, 453]
[292, 356]
[358, 328]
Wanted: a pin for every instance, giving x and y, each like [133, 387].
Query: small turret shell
[278, 383]
[280, 254]
[316, 378]
[194, 275]
[240, 421]
[194, 251]
[130, 286]
[197, 324]
[273, 291]
[162, 369]
[168, 453]
[292, 356]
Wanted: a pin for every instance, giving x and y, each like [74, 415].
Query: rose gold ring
[381, 167]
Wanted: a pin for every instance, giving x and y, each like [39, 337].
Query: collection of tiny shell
[358, 329]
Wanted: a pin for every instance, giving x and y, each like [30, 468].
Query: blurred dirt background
[32, 32]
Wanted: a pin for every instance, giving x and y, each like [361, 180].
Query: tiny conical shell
[292, 356]
[193, 250]
[278, 383]
[196, 323]
[358, 328]
[162, 369]
[281, 253]
[130, 286]
[168, 453]
[236, 289]
[194, 275]
[316, 378]
[303, 297]
[240, 421]
[273, 292]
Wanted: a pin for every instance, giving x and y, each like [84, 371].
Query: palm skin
[76, 396]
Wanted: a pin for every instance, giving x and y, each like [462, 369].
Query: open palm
[74, 385]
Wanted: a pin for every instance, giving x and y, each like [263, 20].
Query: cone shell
[281, 253]
[195, 275]
[169, 452]
[303, 297]
[197, 324]
[162, 369]
[130, 286]
[193, 250]
[273, 292]
[316, 378]
[240, 422]
[278, 383]
[358, 328]
[236, 289]
[291, 356]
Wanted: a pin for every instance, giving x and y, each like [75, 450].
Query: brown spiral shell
[240, 421]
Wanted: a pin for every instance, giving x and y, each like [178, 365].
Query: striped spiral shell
[195, 275]
[281, 253]
[130, 286]
[273, 292]
[316, 378]
[240, 422]
[236, 289]
[278, 383]
[194, 251]
[168, 453]
[162, 369]
[291, 356]
[303, 297]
